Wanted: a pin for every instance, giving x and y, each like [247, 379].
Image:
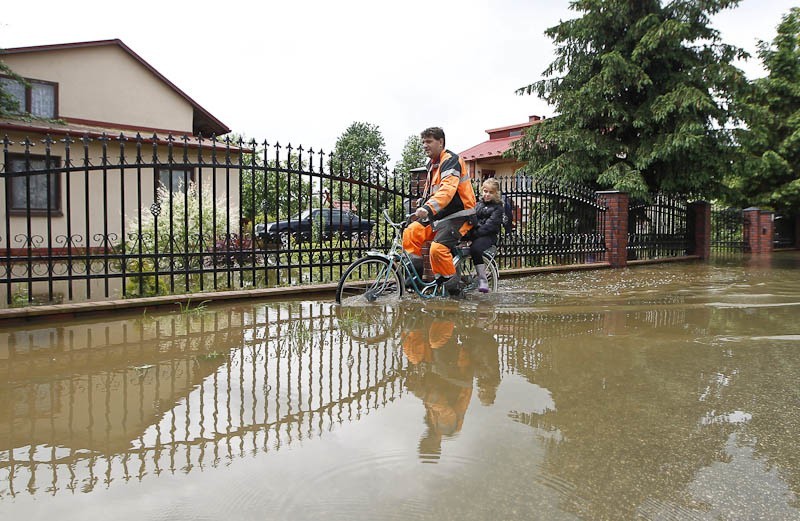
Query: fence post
[759, 231]
[699, 229]
[797, 231]
[615, 227]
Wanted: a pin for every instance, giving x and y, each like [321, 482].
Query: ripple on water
[349, 490]
[744, 305]
[657, 509]
[722, 340]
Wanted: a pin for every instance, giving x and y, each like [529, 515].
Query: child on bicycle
[489, 215]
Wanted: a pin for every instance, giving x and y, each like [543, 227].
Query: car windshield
[301, 216]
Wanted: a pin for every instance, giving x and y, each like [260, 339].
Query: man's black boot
[450, 284]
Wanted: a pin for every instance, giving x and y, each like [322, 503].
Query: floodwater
[655, 392]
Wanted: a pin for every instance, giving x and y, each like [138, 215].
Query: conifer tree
[769, 173]
[643, 91]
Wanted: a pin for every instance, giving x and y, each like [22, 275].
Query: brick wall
[615, 227]
[759, 231]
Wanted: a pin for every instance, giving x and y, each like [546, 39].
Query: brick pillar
[427, 272]
[699, 229]
[615, 228]
[759, 230]
[767, 231]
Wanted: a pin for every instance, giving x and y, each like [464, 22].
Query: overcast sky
[302, 71]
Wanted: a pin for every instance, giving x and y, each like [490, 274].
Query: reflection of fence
[171, 401]
[657, 229]
[180, 393]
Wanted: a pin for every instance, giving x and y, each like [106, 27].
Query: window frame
[169, 170]
[56, 209]
[27, 102]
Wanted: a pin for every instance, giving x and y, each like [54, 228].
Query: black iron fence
[551, 223]
[658, 228]
[727, 230]
[116, 217]
[785, 231]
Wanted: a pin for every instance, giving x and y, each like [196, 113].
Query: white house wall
[107, 209]
[106, 84]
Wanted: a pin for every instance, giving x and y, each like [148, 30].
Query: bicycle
[388, 274]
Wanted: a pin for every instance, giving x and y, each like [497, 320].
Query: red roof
[500, 140]
[490, 148]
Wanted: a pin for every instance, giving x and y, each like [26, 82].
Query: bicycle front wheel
[468, 276]
[369, 279]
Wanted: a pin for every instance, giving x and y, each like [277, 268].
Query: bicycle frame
[400, 259]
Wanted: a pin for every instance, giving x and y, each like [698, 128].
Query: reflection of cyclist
[482, 347]
[441, 375]
[448, 202]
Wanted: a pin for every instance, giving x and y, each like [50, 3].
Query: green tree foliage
[413, 156]
[271, 188]
[360, 159]
[642, 90]
[769, 173]
[360, 152]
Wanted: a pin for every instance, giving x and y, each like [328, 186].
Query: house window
[488, 173]
[178, 177]
[38, 98]
[17, 186]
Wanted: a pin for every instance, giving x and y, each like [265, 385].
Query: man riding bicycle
[448, 204]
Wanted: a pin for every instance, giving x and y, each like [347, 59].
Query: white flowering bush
[179, 233]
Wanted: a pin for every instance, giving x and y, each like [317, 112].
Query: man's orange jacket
[448, 190]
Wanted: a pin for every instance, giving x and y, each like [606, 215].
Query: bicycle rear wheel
[369, 279]
[468, 276]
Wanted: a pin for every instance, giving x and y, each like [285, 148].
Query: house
[84, 104]
[486, 159]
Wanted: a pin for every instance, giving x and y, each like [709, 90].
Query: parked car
[330, 222]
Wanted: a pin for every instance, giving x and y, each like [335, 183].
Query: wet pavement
[655, 392]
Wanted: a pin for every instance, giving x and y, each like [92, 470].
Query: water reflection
[90, 404]
[443, 363]
[657, 393]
